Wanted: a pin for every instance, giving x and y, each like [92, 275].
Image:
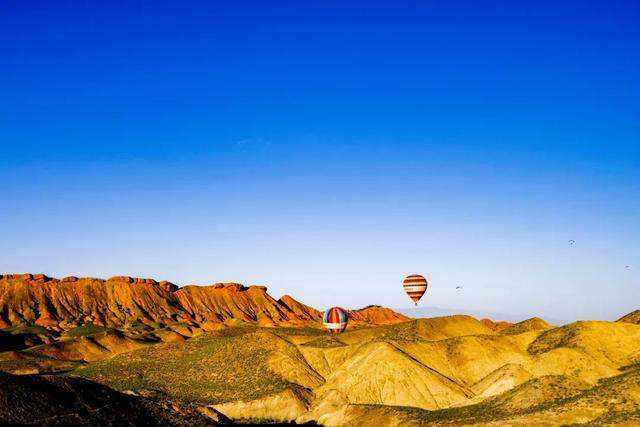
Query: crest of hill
[633, 317]
[495, 326]
[376, 315]
[533, 324]
[430, 329]
[450, 326]
[587, 349]
[121, 301]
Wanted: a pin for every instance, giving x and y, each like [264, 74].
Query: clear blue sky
[328, 148]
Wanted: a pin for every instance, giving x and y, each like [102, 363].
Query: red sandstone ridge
[376, 315]
[223, 302]
[300, 309]
[53, 303]
[495, 326]
[121, 301]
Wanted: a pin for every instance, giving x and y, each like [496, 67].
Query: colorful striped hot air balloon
[415, 286]
[335, 320]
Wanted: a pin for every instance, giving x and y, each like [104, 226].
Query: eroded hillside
[428, 371]
[124, 302]
[234, 350]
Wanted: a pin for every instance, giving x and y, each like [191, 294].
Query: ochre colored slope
[533, 324]
[366, 377]
[87, 348]
[454, 367]
[633, 317]
[607, 343]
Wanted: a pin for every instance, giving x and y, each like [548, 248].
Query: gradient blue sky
[328, 148]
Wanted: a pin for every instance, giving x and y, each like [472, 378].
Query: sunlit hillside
[447, 370]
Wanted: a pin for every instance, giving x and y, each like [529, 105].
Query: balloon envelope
[335, 320]
[415, 286]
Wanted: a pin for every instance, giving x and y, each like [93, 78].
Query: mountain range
[136, 351]
[122, 301]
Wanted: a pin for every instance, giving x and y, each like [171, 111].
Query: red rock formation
[113, 302]
[222, 302]
[495, 326]
[375, 315]
[301, 310]
[122, 300]
[168, 286]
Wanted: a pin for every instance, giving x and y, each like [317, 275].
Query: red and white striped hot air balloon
[415, 286]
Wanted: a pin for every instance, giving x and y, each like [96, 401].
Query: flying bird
[571, 242]
[458, 288]
[627, 267]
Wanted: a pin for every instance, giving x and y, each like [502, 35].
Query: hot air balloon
[415, 286]
[335, 320]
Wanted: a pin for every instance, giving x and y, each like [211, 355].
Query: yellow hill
[453, 368]
[533, 324]
[633, 317]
